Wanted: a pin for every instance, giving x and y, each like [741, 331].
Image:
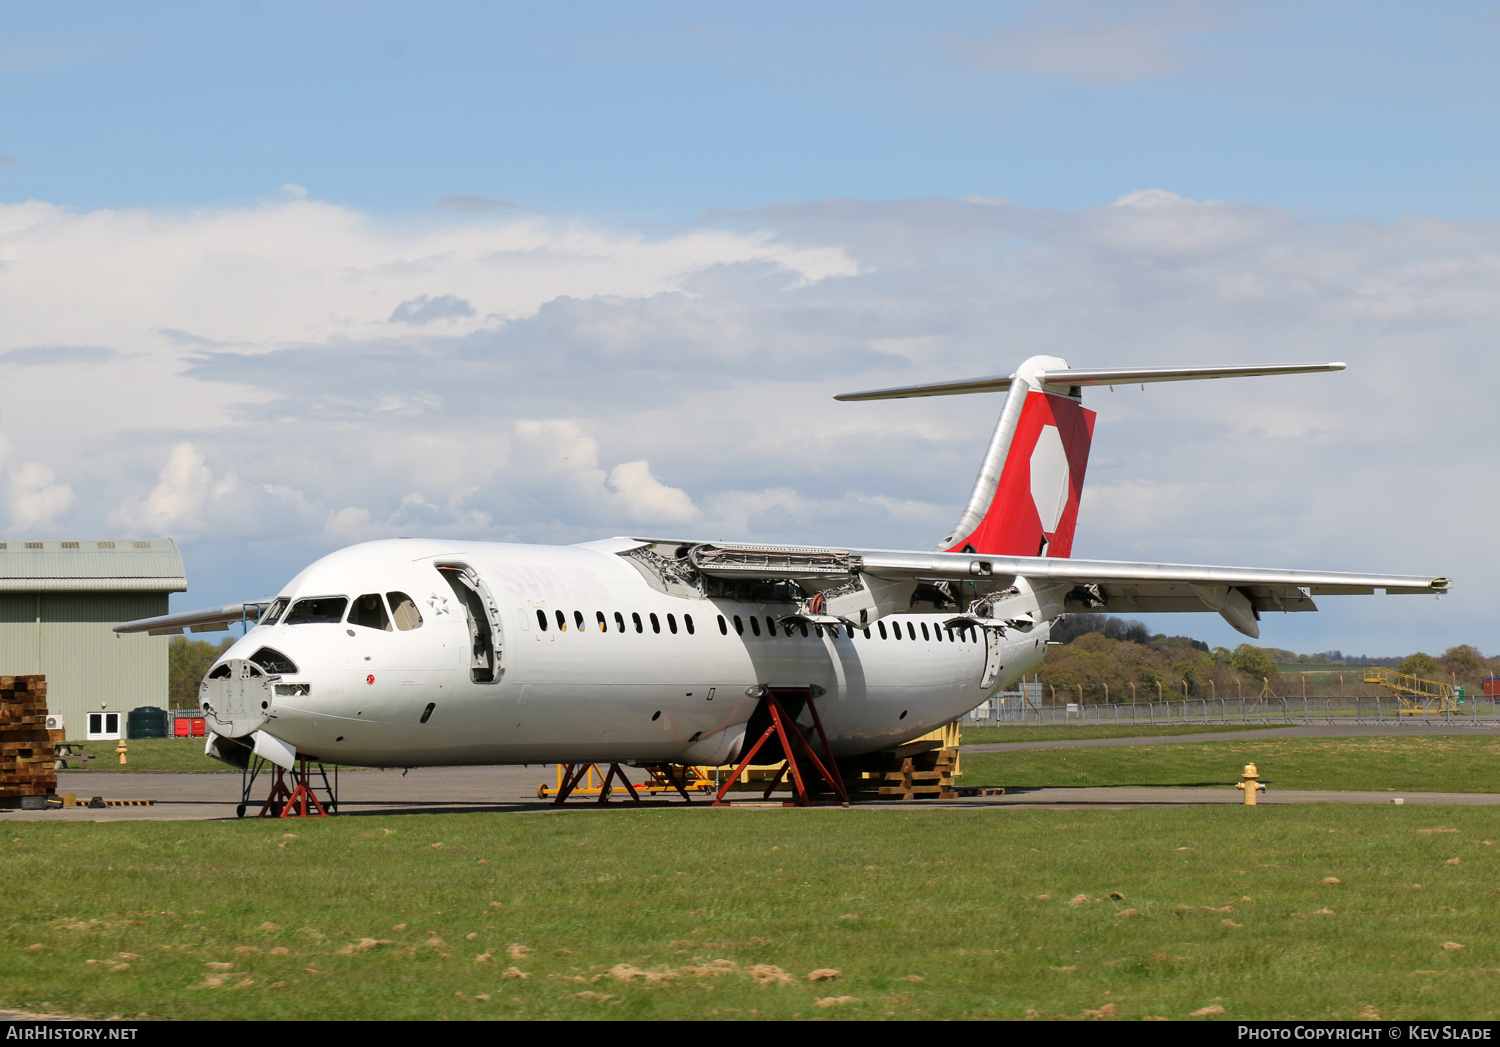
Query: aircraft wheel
[239, 812]
[276, 809]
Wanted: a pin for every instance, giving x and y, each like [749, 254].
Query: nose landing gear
[294, 794]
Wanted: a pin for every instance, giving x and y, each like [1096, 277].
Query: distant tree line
[1109, 659]
[188, 661]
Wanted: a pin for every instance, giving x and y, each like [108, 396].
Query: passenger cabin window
[603, 626]
[619, 622]
[578, 620]
[636, 618]
[319, 610]
[541, 619]
[404, 612]
[369, 611]
[655, 624]
[687, 621]
[672, 623]
[562, 622]
[754, 624]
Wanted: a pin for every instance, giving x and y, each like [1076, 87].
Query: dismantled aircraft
[419, 652]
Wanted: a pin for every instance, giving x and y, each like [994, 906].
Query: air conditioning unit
[55, 723]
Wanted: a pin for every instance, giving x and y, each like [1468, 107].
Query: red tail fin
[1025, 501]
[1034, 508]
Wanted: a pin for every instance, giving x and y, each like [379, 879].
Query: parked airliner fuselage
[407, 652]
[584, 662]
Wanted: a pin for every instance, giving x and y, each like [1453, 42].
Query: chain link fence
[1024, 707]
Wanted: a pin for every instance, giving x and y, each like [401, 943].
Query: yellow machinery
[704, 779]
[1417, 695]
[693, 780]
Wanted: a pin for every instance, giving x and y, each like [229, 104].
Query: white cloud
[646, 499]
[36, 502]
[243, 384]
[184, 501]
[303, 270]
[36, 499]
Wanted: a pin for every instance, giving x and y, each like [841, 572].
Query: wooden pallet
[920, 775]
[28, 751]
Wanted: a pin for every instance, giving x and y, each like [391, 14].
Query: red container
[179, 728]
[200, 727]
[1492, 686]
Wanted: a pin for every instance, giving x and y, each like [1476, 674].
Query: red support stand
[574, 773]
[615, 771]
[280, 794]
[297, 803]
[784, 727]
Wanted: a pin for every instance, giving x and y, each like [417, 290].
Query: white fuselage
[679, 690]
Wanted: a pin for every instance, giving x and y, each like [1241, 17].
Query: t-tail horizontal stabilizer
[1025, 499]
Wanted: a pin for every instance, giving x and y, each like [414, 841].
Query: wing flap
[1265, 583]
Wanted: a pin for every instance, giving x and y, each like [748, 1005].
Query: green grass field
[992, 735]
[153, 754]
[925, 914]
[1415, 763]
[156, 754]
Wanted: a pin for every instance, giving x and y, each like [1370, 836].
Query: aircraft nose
[236, 697]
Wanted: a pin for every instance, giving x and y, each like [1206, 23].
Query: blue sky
[280, 277]
[658, 112]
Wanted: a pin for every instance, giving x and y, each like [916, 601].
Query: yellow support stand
[1417, 695]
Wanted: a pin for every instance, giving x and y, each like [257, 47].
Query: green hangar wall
[59, 603]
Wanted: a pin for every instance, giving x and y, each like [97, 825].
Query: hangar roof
[105, 565]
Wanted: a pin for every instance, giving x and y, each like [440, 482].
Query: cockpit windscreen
[317, 610]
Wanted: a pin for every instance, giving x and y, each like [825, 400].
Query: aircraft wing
[1121, 577]
[204, 620]
[1239, 594]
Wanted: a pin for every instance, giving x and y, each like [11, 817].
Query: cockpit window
[369, 611]
[316, 611]
[273, 612]
[404, 611]
[273, 661]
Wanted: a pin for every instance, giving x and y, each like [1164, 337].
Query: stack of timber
[919, 770]
[27, 753]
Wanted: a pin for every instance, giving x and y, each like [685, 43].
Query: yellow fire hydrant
[120, 750]
[1250, 784]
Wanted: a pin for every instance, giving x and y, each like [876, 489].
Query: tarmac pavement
[181, 796]
[500, 790]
